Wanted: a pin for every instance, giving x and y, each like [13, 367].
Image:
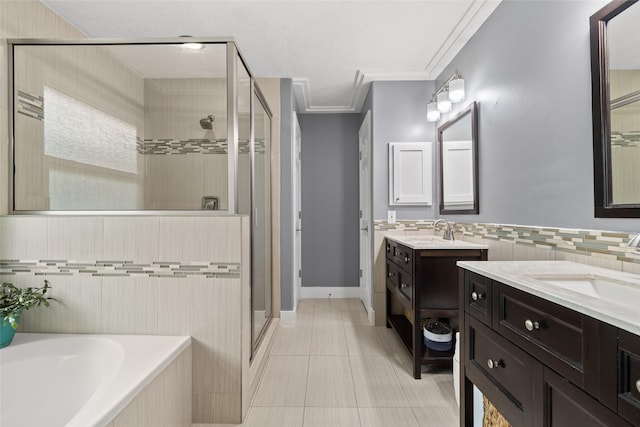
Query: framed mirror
[615, 75]
[458, 141]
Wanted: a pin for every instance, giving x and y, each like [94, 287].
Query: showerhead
[207, 122]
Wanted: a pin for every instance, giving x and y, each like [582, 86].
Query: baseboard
[372, 315]
[287, 318]
[329, 292]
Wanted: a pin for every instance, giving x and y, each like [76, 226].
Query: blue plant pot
[7, 332]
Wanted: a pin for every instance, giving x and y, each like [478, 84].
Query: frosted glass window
[81, 133]
[82, 190]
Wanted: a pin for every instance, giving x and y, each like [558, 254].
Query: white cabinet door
[410, 173]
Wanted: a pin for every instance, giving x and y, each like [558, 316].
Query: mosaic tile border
[164, 269]
[30, 105]
[192, 146]
[605, 244]
[626, 139]
[33, 106]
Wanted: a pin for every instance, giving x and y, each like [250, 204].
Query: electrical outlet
[391, 217]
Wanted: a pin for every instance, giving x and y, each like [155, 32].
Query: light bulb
[193, 46]
[456, 90]
[433, 115]
[444, 104]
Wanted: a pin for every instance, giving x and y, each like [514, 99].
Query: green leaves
[13, 300]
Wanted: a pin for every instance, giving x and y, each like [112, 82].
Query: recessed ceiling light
[193, 46]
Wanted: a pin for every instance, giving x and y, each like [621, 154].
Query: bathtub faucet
[448, 232]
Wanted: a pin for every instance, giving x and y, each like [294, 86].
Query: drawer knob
[493, 364]
[531, 325]
[391, 274]
[388, 248]
[476, 296]
[407, 259]
[403, 285]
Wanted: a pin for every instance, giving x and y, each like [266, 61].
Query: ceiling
[332, 49]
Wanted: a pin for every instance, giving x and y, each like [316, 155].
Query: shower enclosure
[143, 127]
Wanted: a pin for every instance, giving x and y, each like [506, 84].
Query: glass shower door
[261, 220]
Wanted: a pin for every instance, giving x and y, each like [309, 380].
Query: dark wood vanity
[421, 282]
[541, 363]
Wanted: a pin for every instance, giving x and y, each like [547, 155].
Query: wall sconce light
[450, 92]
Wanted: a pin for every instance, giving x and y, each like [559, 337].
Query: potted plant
[13, 301]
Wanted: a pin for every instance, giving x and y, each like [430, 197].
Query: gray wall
[399, 115]
[330, 204]
[287, 107]
[529, 69]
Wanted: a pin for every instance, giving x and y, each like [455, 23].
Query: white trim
[287, 318]
[359, 91]
[335, 291]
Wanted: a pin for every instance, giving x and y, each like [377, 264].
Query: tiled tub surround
[515, 243]
[204, 299]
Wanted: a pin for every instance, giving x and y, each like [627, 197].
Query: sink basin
[603, 288]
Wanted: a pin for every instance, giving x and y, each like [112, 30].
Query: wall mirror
[458, 140]
[615, 74]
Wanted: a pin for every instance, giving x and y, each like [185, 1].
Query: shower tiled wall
[143, 275]
[515, 242]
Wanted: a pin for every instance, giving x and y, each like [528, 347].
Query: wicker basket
[409, 315]
[493, 418]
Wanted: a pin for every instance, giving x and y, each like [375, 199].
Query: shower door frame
[232, 121]
[255, 90]
[232, 53]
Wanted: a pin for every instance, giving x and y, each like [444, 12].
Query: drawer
[392, 275]
[405, 285]
[403, 256]
[629, 377]
[509, 377]
[551, 333]
[477, 296]
[400, 283]
[389, 248]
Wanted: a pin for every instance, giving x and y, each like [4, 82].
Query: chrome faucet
[634, 242]
[448, 232]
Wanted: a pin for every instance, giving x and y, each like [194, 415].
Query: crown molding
[477, 12]
[475, 15]
[359, 90]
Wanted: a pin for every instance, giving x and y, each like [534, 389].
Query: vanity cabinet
[541, 363]
[421, 282]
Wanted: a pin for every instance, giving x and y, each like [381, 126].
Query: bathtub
[78, 380]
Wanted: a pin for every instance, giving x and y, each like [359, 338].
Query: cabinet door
[566, 405]
[410, 173]
[629, 377]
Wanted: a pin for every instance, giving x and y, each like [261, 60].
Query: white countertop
[419, 242]
[615, 299]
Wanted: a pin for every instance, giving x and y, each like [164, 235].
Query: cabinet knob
[391, 274]
[388, 248]
[531, 325]
[476, 296]
[493, 364]
[407, 259]
[638, 385]
[403, 285]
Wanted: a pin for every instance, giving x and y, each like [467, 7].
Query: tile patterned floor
[333, 369]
